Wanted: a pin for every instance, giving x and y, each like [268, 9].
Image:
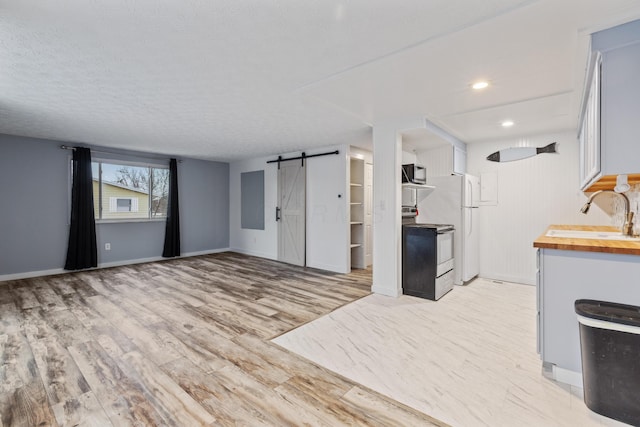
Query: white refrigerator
[455, 201]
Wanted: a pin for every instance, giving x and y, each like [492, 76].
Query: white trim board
[567, 377]
[511, 279]
[328, 267]
[40, 273]
[254, 253]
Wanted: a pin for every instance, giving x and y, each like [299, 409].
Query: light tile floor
[469, 359]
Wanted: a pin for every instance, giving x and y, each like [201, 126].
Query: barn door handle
[277, 213]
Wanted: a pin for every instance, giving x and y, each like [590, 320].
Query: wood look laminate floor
[178, 343]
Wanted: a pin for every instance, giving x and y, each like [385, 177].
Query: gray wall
[34, 196]
[34, 211]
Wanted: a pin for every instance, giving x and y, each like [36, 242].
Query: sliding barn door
[291, 202]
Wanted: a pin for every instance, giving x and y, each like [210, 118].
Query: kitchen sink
[581, 234]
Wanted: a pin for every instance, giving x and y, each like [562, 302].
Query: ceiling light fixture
[480, 85]
[507, 124]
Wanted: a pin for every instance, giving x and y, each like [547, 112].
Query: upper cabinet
[610, 123]
[459, 161]
[444, 160]
[589, 132]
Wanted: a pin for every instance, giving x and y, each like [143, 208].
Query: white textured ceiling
[230, 79]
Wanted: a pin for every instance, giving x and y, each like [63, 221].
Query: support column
[387, 201]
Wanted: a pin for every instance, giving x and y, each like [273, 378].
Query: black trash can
[610, 349]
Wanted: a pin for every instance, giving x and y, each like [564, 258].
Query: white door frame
[368, 214]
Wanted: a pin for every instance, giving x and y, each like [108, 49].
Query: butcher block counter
[628, 247]
[574, 268]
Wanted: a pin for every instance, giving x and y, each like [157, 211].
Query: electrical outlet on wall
[107, 246]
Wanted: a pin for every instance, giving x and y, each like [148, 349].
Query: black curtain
[82, 251]
[172, 228]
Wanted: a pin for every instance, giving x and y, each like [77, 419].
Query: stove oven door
[445, 252]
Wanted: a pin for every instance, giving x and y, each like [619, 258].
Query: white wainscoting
[532, 194]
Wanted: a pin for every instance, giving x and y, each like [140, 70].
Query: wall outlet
[107, 246]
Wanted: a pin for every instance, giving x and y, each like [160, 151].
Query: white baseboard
[255, 253]
[40, 273]
[328, 267]
[29, 274]
[207, 252]
[505, 278]
[386, 291]
[566, 376]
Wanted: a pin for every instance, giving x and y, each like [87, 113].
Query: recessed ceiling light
[507, 124]
[480, 85]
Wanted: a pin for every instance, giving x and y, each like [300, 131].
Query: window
[129, 191]
[120, 204]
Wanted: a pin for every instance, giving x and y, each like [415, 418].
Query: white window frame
[135, 201]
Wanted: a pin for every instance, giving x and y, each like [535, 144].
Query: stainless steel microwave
[414, 173]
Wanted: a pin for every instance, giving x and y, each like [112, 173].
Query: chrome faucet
[627, 227]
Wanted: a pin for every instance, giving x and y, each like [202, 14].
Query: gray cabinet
[539, 299]
[620, 110]
[589, 132]
[566, 276]
[611, 106]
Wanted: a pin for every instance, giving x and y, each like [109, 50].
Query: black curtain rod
[303, 156]
[68, 147]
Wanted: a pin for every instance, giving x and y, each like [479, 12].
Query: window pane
[125, 191]
[160, 193]
[124, 205]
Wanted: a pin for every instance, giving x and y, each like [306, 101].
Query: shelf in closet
[418, 186]
[356, 216]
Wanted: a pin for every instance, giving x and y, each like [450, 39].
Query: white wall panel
[262, 243]
[327, 226]
[408, 158]
[327, 221]
[532, 194]
[438, 161]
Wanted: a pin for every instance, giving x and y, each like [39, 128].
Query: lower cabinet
[563, 278]
[539, 298]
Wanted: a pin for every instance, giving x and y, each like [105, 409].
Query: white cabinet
[357, 212]
[459, 161]
[609, 125]
[444, 160]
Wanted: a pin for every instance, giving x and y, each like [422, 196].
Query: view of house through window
[129, 191]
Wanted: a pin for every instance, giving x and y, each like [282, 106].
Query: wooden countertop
[587, 245]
